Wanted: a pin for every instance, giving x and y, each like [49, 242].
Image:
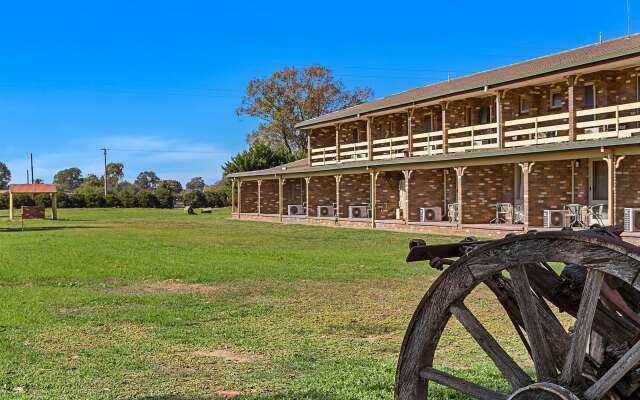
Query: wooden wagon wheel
[516, 269]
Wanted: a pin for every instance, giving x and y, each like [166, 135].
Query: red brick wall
[249, 197]
[346, 132]
[293, 192]
[380, 128]
[483, 187]
[627, 187]
[354, 191]
[269, 197]
[388, 194]
[322, 192]
[426, 189]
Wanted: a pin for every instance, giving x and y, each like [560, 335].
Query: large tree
[147, 180]
[259, 156]
[293, 95]
[5, 176]
[196, 184]
[115, 172]
[68, 179]
[171, 185]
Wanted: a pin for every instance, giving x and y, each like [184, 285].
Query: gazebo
[35, 188]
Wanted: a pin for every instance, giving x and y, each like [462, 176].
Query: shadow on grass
[46, 228]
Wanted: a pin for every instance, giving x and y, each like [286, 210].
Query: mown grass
[155, 304]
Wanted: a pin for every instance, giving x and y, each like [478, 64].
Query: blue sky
[159, 82]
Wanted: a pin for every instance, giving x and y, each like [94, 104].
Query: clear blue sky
[168, 76]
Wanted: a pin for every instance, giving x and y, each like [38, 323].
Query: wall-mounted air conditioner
[297, 209]
[632, 219]
[358, 212]
[326, 211]
[430, 214]
[556, 218]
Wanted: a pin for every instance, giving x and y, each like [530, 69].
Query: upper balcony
[599, 105]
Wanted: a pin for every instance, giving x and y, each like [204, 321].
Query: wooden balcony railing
[324, 156]
[427, 143]
[470, 138]
[552, 128]
[619, 121]
[354, 152]
[390, 148]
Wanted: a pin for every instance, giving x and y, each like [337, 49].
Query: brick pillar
[307, 180]
[527, 168]
[459, 175]
[571, 81]
[445, 133]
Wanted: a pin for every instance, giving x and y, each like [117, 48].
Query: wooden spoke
[460, 385]
[614, 374]
[527, 303]
[572, 370]
[516, 377]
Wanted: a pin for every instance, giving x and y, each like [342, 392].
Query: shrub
[146, 199]
[165, 197]
[195, 199]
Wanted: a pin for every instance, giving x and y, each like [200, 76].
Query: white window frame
[522, 99]
[551, 93]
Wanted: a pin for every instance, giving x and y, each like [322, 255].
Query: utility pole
[104, 151]
[31, 157]
[28, 179]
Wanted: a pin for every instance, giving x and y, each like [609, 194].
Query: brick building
[549, 142]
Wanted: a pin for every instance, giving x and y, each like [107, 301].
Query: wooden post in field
[10, 205]
[527, 168]
[54, 206]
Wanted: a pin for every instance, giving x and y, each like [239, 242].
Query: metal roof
[32, 188]
[579, 57]
[302, 166]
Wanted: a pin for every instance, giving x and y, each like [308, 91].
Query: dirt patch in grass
[169, 286]
[225, 355]
[228, 394]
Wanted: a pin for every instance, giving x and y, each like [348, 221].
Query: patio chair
[575, 214]
[518, 214]
[596, 212]
[503, 213]
[452, 212]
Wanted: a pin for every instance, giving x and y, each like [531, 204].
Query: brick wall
[322, 192]
[323, 137]
[381, 128]
[388, 194]
[426, 189]
[627, 187]
[269, 197]
[483, 187]
[293, 192]
[347, 132]
[354, 190]
[249, 197]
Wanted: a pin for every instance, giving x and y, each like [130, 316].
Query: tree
[147, 180]
[68, 179]
[290, 96]
[259, 156]
[115, 172]
[171, 185]
[196, 184]
[5, 176]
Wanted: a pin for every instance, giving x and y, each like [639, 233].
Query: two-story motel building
[553, 141]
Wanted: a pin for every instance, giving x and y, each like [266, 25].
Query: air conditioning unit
[326, 211]
[595, 129]
[632, 219]
[556, 218]
[430, 214]
[358, 212]
[297, 209]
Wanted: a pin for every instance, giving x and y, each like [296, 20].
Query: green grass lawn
[155, 304]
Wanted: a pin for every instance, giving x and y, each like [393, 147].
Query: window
[354, 135]
[556, 99]
[589, 96]
[525, 105]
[427, 124]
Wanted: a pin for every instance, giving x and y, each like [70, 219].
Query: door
[599, 185]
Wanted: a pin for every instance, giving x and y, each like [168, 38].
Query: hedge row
[159, 198]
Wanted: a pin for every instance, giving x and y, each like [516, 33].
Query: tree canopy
[147, 180]
[292, 95]
[259, 156]
[5, 176]
[115, 172]
[196, 184]
[68, 179]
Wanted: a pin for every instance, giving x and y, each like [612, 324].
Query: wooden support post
[615, 191]
[445, 131]
[54, 206]
[309, 132]
[233, 189]
[307, 180]
[259, 196]
[337, 142]
[405, 207]
[459, 175]
[445, 174]
[370, 138]
[571, 81]
[527, 168]
[410, 132]
[280, 196]
[239, 198]
[499, 119]
[10, 206]
[374, 180]
[613, 163]
[337, 211]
